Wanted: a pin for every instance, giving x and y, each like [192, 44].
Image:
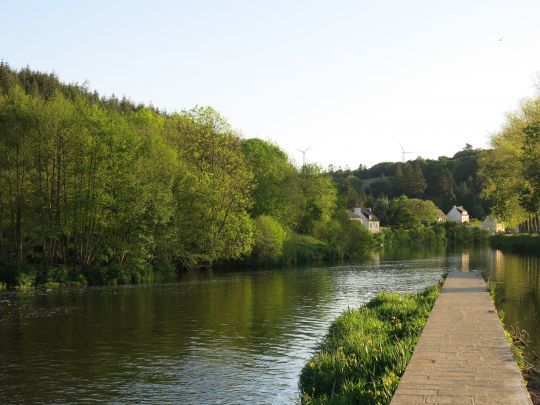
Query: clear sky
[351, 79]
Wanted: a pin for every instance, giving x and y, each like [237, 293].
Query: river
[213, 336]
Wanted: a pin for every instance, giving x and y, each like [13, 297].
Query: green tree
[320, 198]
[213, 195]
[269, 237]
[426, 211]
[509, 170]
[276, 190]
[409, 180]
[400, 214]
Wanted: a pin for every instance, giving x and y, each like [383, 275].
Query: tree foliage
[511, 170]
[113, 190]
[445, 181]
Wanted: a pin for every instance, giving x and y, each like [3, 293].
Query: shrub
[301, 249]
[269, 237]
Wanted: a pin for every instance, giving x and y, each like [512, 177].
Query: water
[517, 291]
[212, 337]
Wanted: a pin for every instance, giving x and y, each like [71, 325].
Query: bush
[347, 239]
[366, 350]
[269, 237]
[448, 232]
[302, 249]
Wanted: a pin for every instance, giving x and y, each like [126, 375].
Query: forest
[103, 190]
[445, 181]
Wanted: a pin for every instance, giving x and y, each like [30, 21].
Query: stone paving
[462, 356]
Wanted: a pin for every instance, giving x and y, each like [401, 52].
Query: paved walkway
[462, 356]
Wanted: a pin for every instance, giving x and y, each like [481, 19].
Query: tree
[426, 211]
[276, 191]
[269, 237]
[319, 194]
[510, 170]
[409, 180]
[213, 191]
[400, 215]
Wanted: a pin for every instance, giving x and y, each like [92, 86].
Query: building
[493, 225]
[368, 219]
[441, 216]
[458, 214]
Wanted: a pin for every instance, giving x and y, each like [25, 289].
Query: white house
[458, 214]
[492, 224]
[367, 218]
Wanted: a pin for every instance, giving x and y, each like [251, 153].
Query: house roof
[441, 214]
[366, 212]
[461, 210]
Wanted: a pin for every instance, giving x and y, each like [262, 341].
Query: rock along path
[462, 356]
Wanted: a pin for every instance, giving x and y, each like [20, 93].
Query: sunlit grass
[366, 350]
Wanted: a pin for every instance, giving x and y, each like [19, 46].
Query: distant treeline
[503, 181]
[445, 181]
[102, 190]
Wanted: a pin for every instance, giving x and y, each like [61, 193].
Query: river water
[212, 337]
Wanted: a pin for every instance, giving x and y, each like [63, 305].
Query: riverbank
[446, 233]
[366, 350]
[463, 355]
[30, 276]
[347, 243]
[518, 341]
[521, 243]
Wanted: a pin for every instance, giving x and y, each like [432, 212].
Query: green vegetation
[445, 181]
[511, 170]
[103, 191]
[527, 244]
[403, 212]
[366, 350]
[442, 233]
[518, 340]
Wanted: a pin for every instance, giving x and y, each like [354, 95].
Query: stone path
[462, 356]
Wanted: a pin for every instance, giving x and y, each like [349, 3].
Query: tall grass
[366, 350]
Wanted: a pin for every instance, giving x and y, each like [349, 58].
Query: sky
[352, 80]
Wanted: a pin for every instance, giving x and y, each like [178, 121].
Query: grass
[366, 350]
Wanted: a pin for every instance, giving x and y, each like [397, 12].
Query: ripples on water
[213, 337]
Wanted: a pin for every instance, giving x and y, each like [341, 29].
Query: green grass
[366, 350]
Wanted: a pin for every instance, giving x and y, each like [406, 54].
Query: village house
[441, 216]
[458, 214]
[368, 219]
[493, 225]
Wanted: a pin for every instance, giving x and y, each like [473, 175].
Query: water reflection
[465, 261]
[235, 336]
[229, 336]
[517, 290]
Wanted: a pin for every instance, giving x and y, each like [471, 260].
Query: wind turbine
[403, 153]
[304, 155]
